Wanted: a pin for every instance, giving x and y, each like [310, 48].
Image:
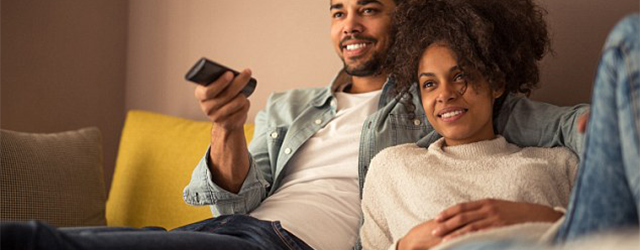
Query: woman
[472, 54]
[605, 204]
[607, 193]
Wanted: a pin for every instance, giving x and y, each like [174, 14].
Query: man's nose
[352, 25]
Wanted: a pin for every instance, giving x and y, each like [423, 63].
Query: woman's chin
[456, 134]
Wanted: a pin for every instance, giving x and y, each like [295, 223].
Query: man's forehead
[338, 4]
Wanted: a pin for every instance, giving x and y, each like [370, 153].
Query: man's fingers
[583, 121]
[457, 209]
[222, 97]
[236, 86]
[212, 90]
[235, 105]
[225, 88]
[457, 222]
[217, 110]
[240, 116]
[236, 118]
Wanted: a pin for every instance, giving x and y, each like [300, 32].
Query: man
[298, 184]
[305, 148]
[300, 168]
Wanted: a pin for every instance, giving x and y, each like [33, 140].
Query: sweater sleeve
[571, 165]
[374, 233]
[572, 168]
[394, 246]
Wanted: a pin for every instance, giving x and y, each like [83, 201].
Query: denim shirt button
[318, 122]
[274, 135]
[287, 151]
[417, 122]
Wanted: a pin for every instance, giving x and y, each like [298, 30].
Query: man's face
[360, 33]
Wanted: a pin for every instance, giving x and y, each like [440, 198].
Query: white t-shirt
[319, 197]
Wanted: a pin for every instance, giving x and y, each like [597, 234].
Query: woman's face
[459, 112]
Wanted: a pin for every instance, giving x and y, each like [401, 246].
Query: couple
[299, 183]
[306, 166]
[471, 54]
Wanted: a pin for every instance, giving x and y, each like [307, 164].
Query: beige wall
[63, 67]
[65, 62]
[286, 44]
[579, 29]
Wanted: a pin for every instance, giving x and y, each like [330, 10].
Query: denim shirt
[292, 117]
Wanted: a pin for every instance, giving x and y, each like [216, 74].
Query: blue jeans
[223, 232]
[607, 192]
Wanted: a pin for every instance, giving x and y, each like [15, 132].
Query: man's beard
[371, 67]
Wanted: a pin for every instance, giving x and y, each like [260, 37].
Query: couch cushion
[55, 178]
[156, 157]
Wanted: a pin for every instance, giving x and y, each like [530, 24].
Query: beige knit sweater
[407, 185]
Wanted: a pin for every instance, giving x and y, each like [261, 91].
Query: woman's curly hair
[500, 40]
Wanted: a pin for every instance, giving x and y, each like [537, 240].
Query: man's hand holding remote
[227, 109]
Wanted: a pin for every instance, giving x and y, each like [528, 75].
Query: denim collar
[426, 141]
[341, 82]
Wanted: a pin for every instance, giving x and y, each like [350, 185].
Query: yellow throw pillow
[156, 157]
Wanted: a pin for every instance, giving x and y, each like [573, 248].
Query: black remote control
[206, 71]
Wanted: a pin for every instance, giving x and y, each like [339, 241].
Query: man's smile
[354, 47]
[351, 47]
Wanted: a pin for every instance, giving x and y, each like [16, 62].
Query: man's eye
[337, 14]
[369, 11]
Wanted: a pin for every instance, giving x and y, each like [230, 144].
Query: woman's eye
[459, 77]
[428, 84]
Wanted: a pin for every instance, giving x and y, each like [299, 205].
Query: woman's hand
[489, 213]
[420, 237]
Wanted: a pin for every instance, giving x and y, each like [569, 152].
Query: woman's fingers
[486, 213]
[472, 227]
[458, 209]
[458, 222]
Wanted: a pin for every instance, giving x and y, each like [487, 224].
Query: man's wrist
[224, 128]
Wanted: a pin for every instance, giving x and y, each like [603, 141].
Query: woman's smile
[451, 114]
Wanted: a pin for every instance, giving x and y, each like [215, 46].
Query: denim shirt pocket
[408, 127]
[275, 138]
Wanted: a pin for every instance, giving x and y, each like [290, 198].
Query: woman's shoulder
[402, 149]
[543, 151]
[396, 155]
[555, 154]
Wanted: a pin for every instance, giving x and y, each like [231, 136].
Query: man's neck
[365, 84]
